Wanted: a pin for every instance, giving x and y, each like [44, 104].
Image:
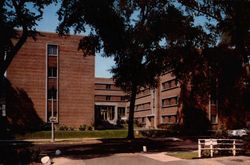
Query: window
[165, 102]
[122, 98]
[121, 111]
[213, 119]
[172, 101]
[52, 50]
[144, 106]
[213, 99]
[169, 119]
[52, 72]
[176, 82]
[108, 86]
[111, 112]
[108, 98]
[143, 120]
[52, 93]
[170, 84]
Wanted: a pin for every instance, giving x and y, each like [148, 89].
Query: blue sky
[102, 65]
[49, 24]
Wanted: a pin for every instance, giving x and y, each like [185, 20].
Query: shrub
[63, 128]
[90, 128]
[46, 127]
[138, 123]
[83, 127]
[71, 128]
[102, 125]
[246, 146]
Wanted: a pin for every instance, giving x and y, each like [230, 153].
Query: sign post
[52, 120]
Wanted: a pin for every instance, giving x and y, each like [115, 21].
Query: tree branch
[191, 7]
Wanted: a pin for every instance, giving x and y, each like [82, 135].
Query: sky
[49, 23]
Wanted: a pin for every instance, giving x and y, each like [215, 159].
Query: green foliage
[132, 32]
[221, 69]
[184, 155]
[104, 125]
[16, 15]
[75, 134]
[85, 127]
[63, 127]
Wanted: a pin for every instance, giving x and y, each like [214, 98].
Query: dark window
[121, 111]
[213, 99]
[52, 72]
[52, 50]
[213, 119]
[108, 98]
[143, 120]
[170, 84]
[176, 82]
[170, 101]
[122, 98]
[52, 93]
[108, 86]
[174, 100]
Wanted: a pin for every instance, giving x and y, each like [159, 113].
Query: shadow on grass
[18, 153]
[109, 147]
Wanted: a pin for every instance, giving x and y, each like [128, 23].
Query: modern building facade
[59, 82]
[159, 105]
[162, 105]
[110, 101]
[55, 75]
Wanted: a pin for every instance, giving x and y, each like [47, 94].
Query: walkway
[152, 159]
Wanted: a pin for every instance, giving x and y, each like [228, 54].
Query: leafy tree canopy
[16, 15]
[137, 33]
[223, 69]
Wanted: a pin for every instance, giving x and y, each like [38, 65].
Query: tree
[137, 33]
[18, 19]
[227, 62]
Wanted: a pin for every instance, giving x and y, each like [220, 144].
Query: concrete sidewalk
[151, 159]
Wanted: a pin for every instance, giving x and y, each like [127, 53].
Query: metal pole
[52, 122]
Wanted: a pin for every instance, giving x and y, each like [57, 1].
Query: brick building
[52, 71]
[110, 101]
[162, 105]
[153, 107]
[159, 105]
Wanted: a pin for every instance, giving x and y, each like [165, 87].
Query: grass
[184, 155]
[75, 134]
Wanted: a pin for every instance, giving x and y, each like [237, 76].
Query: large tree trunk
[11, 53]
[2, 104]
[131, 112]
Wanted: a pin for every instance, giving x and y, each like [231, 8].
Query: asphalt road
[140, 159]
[110, 152]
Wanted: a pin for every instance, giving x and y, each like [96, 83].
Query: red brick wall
[76, 78]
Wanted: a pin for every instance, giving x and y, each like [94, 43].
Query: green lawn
[75, 134]
[184, 155]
